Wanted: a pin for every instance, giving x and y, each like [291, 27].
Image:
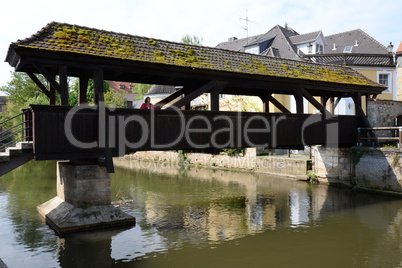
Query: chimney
[232, 39]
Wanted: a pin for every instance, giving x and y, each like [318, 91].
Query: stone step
[13, 151]
[4, 157]
[24, 145]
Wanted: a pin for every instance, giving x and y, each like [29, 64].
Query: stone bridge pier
[83, 199]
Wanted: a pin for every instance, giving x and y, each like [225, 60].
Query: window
[384, 78]
[122, 86]
[253, 49]
[348, 49]
[319, 49]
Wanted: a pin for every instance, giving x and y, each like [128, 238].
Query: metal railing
[396, 131]
[20, 129]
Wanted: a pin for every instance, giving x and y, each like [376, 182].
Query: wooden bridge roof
[131, 58]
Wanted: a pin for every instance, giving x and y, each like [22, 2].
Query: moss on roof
[61, 37]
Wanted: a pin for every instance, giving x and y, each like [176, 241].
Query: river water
[197, 217]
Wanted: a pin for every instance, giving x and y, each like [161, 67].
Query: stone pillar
[83, 200]
[332, 165]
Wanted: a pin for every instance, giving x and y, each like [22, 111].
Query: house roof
[280, 47]
[304, 38]
[125, 57]
[161, 89]
[361, 43]
[399, 49]
[123, 87]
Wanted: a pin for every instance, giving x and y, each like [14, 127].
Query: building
[126, 88]
[353, 48]
[398, 56]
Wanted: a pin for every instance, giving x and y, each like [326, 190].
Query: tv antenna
[247, 21]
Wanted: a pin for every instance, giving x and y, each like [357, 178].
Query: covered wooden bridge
[85, 133]
[60, 50]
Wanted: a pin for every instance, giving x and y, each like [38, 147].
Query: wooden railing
[395, 137]
[143, 130]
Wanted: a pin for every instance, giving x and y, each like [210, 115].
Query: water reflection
[190, 216]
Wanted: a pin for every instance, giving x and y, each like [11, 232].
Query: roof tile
[67, 38]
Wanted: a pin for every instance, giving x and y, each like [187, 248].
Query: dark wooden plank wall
[50, 140]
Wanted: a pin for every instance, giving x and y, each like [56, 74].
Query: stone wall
[362, 167]
[284, 166]
[382, 113]
[378, 169]
[332, 165]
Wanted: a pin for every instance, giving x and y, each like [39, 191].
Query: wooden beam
[314, 102]
[278, 105]
[63, 85]
[195, 93]
[49, 77]
[172, 96]
[39, 84]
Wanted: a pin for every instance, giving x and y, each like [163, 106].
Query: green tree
[115, 99]
[141, 90]
[22, 91]
[73, 94]
[192, 40]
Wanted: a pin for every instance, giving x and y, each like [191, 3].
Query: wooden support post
[98, 85]
[332, 105]
[187, 106]
[358, 104]
[83, 87]
[359, 112]
[265, 103]
[324, 100]
[215, 98]
[63, 85]
[299, 103]
[52, 92]
[103, 118]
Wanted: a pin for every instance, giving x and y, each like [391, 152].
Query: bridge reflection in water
[190, 216]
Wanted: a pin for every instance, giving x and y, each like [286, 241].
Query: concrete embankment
[373, 169]
[295, 167]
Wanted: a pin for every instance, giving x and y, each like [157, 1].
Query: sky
[213, 20]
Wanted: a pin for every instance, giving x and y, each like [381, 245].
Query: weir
[82, 133]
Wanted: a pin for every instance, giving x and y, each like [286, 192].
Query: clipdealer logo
[237, 130]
